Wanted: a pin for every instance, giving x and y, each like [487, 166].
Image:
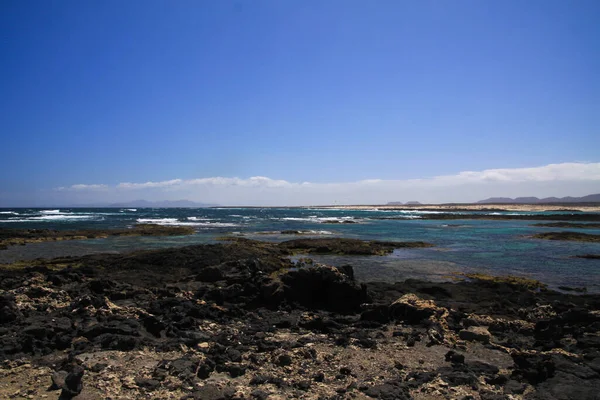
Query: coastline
[582, 207]
[239, 320]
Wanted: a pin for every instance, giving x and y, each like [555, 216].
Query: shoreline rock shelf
[239, 320]
[566, 235]
[589, 225]
[12, 237]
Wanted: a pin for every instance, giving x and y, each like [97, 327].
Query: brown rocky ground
[239, 320]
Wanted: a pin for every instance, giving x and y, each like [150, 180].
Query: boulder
[210, 274]
[412, 309]
[324, 287]
[72, 385]
[533, 368]
[8, 308]
[475, 334]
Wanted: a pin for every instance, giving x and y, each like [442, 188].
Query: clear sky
[329, 92]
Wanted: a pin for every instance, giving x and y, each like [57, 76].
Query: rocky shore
[539, 217]
[11, 237]
[566, 235]
[240, 320]
[569, 225]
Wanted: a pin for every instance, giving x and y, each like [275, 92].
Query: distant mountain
[160, 204]
[592, 198]
[399, 203]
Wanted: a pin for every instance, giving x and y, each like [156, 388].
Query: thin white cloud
[147, 185]
[550, 180]
[551, 172]
[83, 187]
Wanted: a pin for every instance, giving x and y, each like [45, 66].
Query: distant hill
[399, 203]
[592, 198]
[161, 204]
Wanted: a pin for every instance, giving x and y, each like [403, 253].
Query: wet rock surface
[239, 320]
[589, 225]
[347, 246]
[11, 237]
[574, 236]
[589, 256]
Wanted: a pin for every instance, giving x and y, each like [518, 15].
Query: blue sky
[327, 92]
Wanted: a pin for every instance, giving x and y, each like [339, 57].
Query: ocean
[499, 247]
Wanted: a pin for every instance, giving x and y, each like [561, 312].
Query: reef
[569, 225]
[573, 236]
[589, 256]
[347, 246]
[11, 237]
[240, 320]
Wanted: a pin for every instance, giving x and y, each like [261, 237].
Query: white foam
[214, 224]
[498, 213]
[157, 220]
[295, 219]
[176, 222]
[315, 219]
[50, 212]
[55, 218]
[335, 218]
[9, 212]
[59, 217]
[199, 219]
[425, 212]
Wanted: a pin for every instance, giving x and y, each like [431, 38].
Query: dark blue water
[496, 247]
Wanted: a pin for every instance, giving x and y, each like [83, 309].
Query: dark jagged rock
[346, 246]
[10, 237]
[210, 274]
[146, 383]
[242, 311]
[475, 333]
[73, 384]
[573, 236]
[533, 368]
[324, 288]
[454, 358]
[412, 309]
[388, 391]
[212, 392]
[589, 256]
[8, 309]
[58, 380]
[569, 225]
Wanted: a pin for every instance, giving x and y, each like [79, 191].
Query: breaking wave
[176, 222]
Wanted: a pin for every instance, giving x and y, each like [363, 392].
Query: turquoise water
[497, 247]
